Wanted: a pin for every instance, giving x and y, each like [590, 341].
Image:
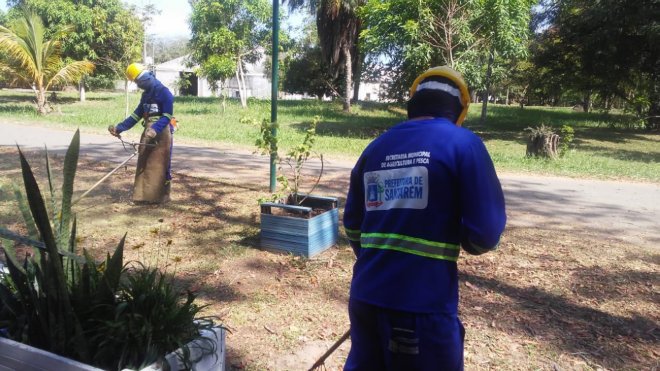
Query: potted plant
[61, 310]
[300, 223]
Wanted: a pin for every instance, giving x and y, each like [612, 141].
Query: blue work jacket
[417, 193]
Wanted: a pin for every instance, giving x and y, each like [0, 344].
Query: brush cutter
[136, 149]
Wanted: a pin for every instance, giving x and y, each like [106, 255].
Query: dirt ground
[548, 299]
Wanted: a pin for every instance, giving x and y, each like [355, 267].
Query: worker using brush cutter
[153, 174]
[417, 194]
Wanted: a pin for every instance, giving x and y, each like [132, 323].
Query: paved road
[623, 210]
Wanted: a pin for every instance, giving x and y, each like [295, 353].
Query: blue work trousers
[385, 339]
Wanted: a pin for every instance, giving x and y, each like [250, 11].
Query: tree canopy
[607, 47]
[409, 36]
[504, 27]
[166, 49]
[338, 26]
[104, 32]
[226, 35]
[307, 73]
[35, 59]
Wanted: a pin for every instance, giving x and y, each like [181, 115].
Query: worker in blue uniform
[153, 177]
[417, 194]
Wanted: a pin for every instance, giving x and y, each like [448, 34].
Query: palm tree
[37, 61]
[338, 27]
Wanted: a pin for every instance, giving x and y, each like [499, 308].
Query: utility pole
[147, 12]
[273, 93]
[145, 21]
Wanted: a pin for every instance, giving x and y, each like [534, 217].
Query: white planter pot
[18, 356]
[202, 359]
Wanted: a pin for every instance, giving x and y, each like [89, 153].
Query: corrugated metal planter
[18, 356]
[305, 230]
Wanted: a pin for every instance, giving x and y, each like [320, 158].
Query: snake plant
[103, 314]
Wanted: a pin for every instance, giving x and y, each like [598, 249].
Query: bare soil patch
[547, 299]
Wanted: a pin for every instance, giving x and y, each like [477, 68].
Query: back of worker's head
[439, 92]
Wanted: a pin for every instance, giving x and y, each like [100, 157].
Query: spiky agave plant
[46, 298]
[68, 304]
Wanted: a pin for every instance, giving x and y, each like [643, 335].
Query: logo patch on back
[404, 188]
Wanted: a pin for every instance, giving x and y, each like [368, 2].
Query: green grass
[605, 146]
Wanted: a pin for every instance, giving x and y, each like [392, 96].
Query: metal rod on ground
[327, 354]
[104, 178]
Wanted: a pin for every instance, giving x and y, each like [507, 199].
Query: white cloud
[172, 20]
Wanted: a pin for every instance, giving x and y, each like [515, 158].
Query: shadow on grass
[357, 127]
[16, 108]
[205, 110]
[506, 121]
[574, 328]
[615, 135]
[645, 258]
[602, 285]
[53, 98]
[623, 154]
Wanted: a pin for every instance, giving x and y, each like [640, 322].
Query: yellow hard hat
[456, 78]
[134, 70]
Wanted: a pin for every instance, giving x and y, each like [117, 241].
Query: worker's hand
[113, 131]
[150, 135]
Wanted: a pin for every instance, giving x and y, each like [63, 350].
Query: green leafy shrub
[566, 137]
[295, 160]
[149, 321]
[47, 300]
[104, 314]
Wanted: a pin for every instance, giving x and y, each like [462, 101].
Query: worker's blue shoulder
[163, 91]
[428, 130]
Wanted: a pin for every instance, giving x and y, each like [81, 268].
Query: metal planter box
[301, 232]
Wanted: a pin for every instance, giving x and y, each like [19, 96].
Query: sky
[173, 18]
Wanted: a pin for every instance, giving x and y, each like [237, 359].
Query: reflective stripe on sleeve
[167, 115]
[353, 234]
[135, 117]
[411, 245]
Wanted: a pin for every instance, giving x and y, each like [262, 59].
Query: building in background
[173, 72]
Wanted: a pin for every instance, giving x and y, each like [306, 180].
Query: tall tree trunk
[489, 73]
[608, 103]
[348, 69]
[144, 46]
[41, 101]
[358, 76]
[242, 90]
[653, 119]
[81, 91]
[223, 95]
[506, 101]
[40, 93]
[586, 103]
